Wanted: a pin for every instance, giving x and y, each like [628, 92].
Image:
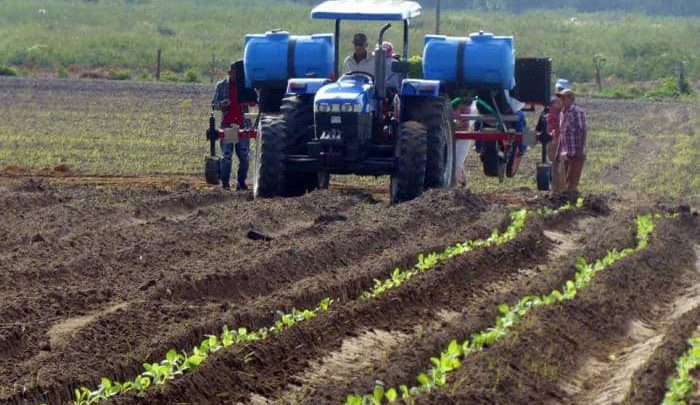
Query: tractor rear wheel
[270, 173]
[439, 171]
[411, 153]
[281, 136]
[298, 115]
[269, 100]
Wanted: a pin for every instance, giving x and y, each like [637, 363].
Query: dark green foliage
[7, 71]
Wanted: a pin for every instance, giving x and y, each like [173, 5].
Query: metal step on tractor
[318, 121]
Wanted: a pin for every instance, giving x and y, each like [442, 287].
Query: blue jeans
[242, 148]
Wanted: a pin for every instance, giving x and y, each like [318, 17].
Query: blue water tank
[272, 58]
[487, 61]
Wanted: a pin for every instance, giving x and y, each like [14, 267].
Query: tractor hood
[349, 94]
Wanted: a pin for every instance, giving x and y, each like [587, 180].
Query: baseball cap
[563, 84]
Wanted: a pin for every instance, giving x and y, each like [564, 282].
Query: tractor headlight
[350, 107]
[323, 107]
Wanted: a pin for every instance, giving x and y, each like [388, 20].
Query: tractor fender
[420, 88]
[305, 86]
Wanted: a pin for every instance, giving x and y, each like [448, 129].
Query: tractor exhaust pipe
[380, 66]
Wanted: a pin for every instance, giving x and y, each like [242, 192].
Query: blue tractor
[353, 125]
[319, 121]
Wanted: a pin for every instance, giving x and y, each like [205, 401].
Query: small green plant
[119, 74]
[7, 71]
[170, 76]
[415, 64]
[191, 76]
[681, 384]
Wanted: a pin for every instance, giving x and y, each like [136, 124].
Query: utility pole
[437, 17]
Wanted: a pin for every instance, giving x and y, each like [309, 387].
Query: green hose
[493, 111]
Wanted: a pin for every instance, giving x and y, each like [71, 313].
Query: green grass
[635, 148]
[105, 131]
[126, 34]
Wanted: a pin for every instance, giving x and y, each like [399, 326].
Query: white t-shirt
[365, 65]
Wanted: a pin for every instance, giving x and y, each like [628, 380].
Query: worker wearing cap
[226, 100]
[361, 60]
[573, 131]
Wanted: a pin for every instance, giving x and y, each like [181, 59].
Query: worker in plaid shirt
[573, 131]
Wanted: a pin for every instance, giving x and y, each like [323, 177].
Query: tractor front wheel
[411, 154]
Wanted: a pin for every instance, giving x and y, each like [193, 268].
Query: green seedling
[681, 384]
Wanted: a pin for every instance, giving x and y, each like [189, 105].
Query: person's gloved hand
[225, 104]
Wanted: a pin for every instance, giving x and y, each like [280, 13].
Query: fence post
[213, 66]
[437, 17]
[158, 54]
[598, 62]
[682, 85]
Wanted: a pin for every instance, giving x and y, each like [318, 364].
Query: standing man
[573, 131]
[226, 100]
[553, 121]
[361, 60]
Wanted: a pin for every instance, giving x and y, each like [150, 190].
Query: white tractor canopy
[368, 10]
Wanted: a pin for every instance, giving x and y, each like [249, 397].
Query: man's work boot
[241, 187]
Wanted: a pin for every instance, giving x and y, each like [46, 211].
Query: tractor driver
[361, 60]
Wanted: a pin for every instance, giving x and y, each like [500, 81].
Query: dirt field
[100, 277]
[100, 274]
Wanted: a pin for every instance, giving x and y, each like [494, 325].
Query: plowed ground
[100, 275]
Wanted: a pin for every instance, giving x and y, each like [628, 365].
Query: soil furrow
[271, 364]
[648, 383]
[182, 324]
[552, 345]
[405, 362]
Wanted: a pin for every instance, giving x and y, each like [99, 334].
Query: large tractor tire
[270, 166]
[408, 180]
[298, 115]
[270, 100]
[281, 136]
[438, 117]
[440, 165]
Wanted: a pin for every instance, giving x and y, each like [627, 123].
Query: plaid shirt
[573, 131]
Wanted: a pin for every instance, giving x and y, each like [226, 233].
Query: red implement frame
[489, 136]
[242, 134]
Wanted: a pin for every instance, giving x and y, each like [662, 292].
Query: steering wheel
[369, 78]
